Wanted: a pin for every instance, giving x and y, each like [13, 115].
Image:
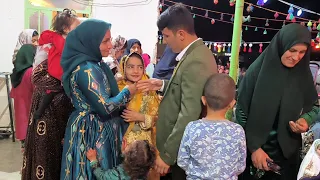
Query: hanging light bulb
[250, 8]
[291, 10]
[267, 22]
[245, 47]
[265, 1]
[299, 12]
[260, 2]
[250, 47]
[260, 47]
[224, 47]
[265, 32]
[221, 17]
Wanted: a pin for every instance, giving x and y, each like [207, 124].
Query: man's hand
[259, 159]
[92, 155]
[300, 126]
[161, 167]
[150, 85]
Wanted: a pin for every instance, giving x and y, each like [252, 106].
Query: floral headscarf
[117, 44]
[25, 37]
[310, 166]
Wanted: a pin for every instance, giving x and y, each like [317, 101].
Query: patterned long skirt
[43, 151]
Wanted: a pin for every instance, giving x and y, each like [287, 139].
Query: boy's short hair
[219, 91]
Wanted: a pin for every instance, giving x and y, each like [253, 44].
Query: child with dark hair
[139, 158]
[213, 147]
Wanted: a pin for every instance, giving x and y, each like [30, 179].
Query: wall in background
[137, 21]
[12, 23]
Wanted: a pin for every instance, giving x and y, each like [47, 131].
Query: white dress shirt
[178, 58]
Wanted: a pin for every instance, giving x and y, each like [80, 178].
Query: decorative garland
[219, 47]
[311, 24]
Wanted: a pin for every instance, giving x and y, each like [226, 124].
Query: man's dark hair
[176, 17]
[139, 159]
[63, 20]
[219, 91]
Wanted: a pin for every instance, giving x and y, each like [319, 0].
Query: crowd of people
[86, 109]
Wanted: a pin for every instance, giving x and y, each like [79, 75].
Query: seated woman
[142, 110]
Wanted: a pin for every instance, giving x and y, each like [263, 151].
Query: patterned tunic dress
[95, 123]
[43, 151]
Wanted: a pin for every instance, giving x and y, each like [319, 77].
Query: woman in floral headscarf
[119, 44]
[310, 166]
[27, 36]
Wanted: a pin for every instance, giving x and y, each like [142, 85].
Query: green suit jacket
[181, 101]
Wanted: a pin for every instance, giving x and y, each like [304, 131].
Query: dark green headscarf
[279, 94]
[82, 44]
[24, 60]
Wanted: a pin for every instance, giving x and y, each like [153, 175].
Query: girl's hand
[92, 155]
[132, 116]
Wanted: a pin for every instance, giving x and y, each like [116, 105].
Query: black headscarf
[24, 60]
[131, 42]
[279, 94]
[165, 67]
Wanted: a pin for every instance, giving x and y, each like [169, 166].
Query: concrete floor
[10, 152]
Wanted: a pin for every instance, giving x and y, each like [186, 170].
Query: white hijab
[41, 54]
[25, 37]
[310, 165]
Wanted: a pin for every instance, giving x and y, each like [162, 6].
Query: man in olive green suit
[181, 101]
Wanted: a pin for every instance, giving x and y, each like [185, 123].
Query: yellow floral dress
[144, 103]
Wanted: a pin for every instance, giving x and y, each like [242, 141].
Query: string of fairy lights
[312, 25]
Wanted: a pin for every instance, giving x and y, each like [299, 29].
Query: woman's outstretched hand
[150, 85]
[132, 88]
[300, 126]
